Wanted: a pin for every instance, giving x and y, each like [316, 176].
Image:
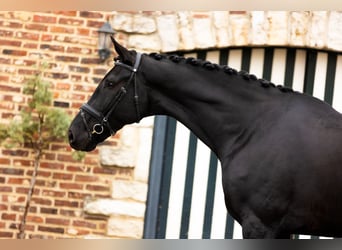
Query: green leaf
[40, 123]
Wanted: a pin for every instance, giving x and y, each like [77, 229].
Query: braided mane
[215, 67]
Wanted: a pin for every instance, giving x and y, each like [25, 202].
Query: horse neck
[216, 107]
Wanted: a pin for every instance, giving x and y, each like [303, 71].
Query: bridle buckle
[97, 129]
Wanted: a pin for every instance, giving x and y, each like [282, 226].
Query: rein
[102, 119]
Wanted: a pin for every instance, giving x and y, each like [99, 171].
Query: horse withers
[280, 150]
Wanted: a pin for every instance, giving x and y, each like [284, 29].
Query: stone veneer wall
[104, 196]
[188, 30]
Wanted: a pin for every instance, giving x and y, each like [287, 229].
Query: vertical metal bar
[246, 59]
[289, 69]
[159, 178]
[229, 227]
[330, 77]
[202, 54]
[154, 179]
[310, 69]
[188, 188]
[210, 197]
[166, 177]
[223, 60]
[268, 62]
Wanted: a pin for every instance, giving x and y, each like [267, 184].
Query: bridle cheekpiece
[102, 119]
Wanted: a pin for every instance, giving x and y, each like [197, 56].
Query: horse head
[117, 101]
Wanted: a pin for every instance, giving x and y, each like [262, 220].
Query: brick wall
[67, 42]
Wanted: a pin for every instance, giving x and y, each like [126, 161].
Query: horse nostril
[71, 136]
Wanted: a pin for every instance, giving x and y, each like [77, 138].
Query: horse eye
[109, 84]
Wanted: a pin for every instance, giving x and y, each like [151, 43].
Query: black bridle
[102, 119]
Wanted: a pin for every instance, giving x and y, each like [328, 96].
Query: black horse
[280, 150]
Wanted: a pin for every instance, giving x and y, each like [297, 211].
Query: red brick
[51, 229]
[60, 29]
[82, 232]
[41, 201]
[62, 176]
[57, 221]
[5, 161]
[27, 35]
[24, 190]
[10, 43]
[65, 158]
[78, 169]
[100, 71]
[3, 207]
[52, 166]
[21, 199]
[22, 162]
[44, 19]
[42, 183]
[97, 188]
[15, 152]
[50, 156]
[47, 210]
[31, 46]
[94, 24]
[66, 203]
[6, 189]
[84, 88]
[6, 234]
[82, 32]
[35, 26]
[59, 147]
[76, 105]
[52, 47]
[25, 62]
[71, 186]
[91, 14]
[5, 60]
[7, 216]
[12, 171]
[66, 13]
[79, 223]
[26, 71]
[74, 50]
[14, 52]
[36, 219]
[40, 173]
[79, 69]
[6, 33]
[7, 106]
[71, 21]
[13, 25]
[68, 213]
[63, 86]
[90, 61]
[77, 195]
[15, 181]
[67, 58]
[86, 178]
[53, 193]
[91, 160]
[47, 38]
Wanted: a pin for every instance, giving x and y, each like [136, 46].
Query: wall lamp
[104, 40]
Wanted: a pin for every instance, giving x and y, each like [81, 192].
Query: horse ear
[126, 56]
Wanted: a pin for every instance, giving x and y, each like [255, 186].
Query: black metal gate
[185, 197]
